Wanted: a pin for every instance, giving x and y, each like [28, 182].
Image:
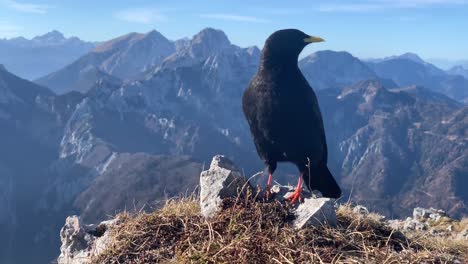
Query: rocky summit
[232, 217]
[223, 180]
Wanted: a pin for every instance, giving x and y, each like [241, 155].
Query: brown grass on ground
[248, 231]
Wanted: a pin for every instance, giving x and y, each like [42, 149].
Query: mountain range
[447, 64]
[123, 58]
[135, 120]
[41, 55]
[409, 69]
[136, 56]
[459, 70]
[407, 146]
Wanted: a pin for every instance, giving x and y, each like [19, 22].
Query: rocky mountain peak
[254, 51]
[207, 41]
[52, 37]
[328, 69]
[412, 56]
[205, 47]
[211, 36]
[328, 54]
[182, 44]
[156, 36]
[458, 70]
[128, 40]
[405, 56]
[2, 68]
[118, 42]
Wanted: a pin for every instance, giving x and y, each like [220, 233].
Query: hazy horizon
[367, 29]
[442, 63]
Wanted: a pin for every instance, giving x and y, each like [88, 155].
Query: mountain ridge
[459, 70]
[323, 69]
[125, 57]
[32, 58]
[405, 72]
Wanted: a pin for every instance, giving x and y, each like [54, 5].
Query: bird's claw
[294, 197]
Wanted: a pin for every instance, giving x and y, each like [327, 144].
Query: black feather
[283, 113]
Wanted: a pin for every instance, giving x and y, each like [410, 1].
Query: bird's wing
[263, 113]
[303, 134]
[252, 108]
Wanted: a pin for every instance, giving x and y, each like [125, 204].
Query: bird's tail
[322, 180]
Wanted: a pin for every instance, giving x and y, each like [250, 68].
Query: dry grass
[445, 222]
[254, 232]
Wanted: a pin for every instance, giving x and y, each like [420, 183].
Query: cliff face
[407, 146]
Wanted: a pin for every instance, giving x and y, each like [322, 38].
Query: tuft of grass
[248, 231]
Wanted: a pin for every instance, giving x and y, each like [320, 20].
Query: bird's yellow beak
[312, 39]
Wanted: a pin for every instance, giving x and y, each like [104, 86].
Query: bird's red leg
[268, 188]
[296, 195]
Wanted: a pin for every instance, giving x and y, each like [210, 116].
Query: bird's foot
[268, 192]
[295, 196]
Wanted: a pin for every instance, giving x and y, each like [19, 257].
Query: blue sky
[431, 28]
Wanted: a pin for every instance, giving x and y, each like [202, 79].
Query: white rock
[362, 210]
[414, 224]
[436, 214]
[82, 242]
[420, 213]
[222, 180]
[314, 212]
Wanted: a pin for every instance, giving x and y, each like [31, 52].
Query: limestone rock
[425, 214]
[413, 224]
[433, 222]
[81, 242]
[436, 214]
[362, 210]
[315, 211]
[223, 179]
[420, 213]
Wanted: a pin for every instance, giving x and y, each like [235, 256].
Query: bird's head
[285, 45]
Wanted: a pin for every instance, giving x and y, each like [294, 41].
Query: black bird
[284, 116]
